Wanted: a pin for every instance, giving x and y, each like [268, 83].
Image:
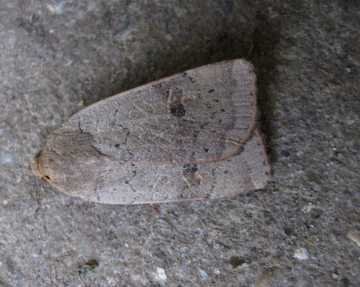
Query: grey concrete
[54, 54]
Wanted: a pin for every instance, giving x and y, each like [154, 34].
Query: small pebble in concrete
[160, 275]
[354, 236]
[301, 282]
[301, 254]
[6, 158]
[307, 208]
[217, 271]
[267, 278]
[241, 279]
[203, 275]
[81, 103]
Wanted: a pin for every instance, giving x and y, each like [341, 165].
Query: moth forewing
[189, 136]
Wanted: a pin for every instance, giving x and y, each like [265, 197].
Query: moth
[190, 136]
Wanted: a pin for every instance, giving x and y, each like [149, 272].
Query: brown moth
[190, 136]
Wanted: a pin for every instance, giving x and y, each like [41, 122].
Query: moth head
[40, 167]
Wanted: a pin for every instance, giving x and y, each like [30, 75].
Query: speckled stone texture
[302, 230]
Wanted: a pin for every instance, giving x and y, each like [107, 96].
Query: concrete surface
[302, 230]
